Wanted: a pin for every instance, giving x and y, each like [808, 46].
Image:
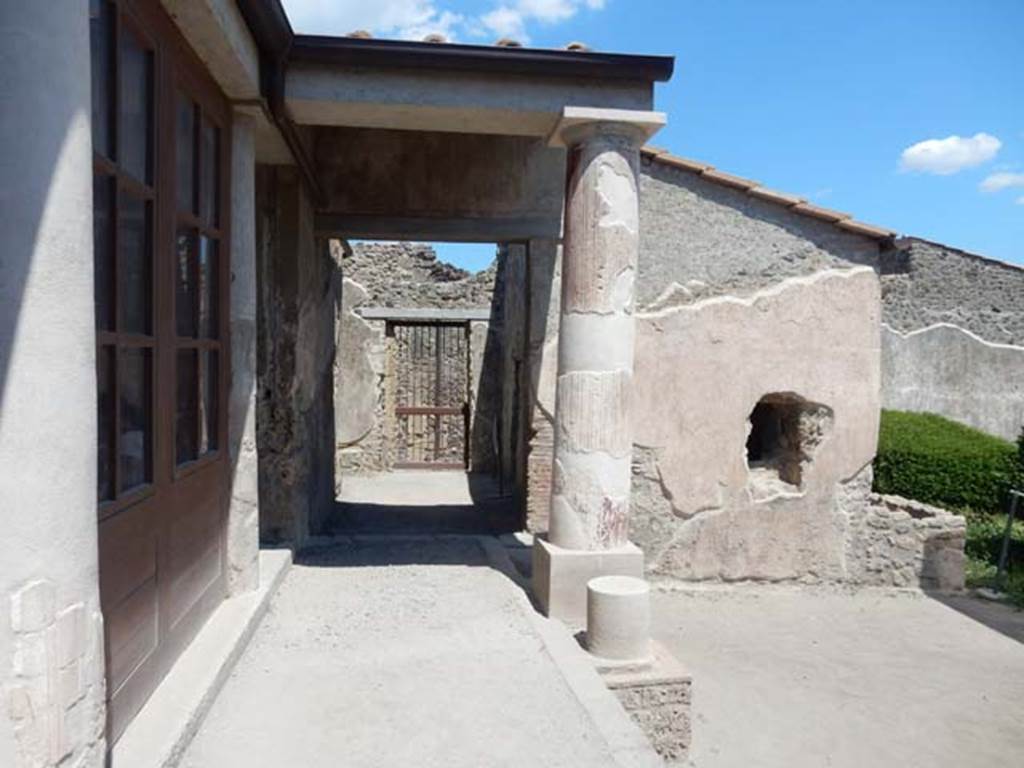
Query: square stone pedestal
[560, 576]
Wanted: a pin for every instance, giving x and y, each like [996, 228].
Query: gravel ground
[805, 678]
[396, 653]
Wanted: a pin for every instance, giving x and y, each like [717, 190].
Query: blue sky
[908, 114]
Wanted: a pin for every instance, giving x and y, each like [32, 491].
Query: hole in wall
[784, 433]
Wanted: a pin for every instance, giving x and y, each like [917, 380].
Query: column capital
[577, 124]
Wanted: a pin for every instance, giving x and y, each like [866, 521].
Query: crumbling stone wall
[926, 283]
[700, 239]
[896, 542]
[407, 276]
[296, 282]
[953, 335]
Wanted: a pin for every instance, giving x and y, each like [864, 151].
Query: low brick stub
[896, 542]
[659, 699]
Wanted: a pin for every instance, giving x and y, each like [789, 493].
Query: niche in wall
[784, 432]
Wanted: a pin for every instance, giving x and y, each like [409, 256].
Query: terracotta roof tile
[825, 214]
[754, 189]
[774, 196]
[683, 163]
[729, 180]
[865, 229]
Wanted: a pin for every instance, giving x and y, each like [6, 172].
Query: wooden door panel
[161, 546]
[431, 395]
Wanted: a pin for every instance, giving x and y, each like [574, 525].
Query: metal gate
[431, 395]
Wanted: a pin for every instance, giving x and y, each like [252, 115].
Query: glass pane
[135, 383]
[135, 107]
[209, 173]
[103, 250]
[208, 422]
[185, 417]
[100, 38]
[185, 128]
[185, 283]
[133, 273]
[105, 428]
[208, 285]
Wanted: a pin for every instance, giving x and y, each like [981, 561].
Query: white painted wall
[51, 652]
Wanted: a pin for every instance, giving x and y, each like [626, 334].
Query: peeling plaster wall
[701, 370]
[295, 422]
[953, 340]
[946, 370]
[738, 298]
[407, 276]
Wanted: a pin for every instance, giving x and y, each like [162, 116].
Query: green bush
[931, 459]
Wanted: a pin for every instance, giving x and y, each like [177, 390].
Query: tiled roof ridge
[756, 189]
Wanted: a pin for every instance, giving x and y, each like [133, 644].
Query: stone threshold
[163, 729]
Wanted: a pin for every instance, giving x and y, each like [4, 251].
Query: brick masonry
[55, 694]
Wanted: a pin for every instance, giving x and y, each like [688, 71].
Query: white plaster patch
[617, 191]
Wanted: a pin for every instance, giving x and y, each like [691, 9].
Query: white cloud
[511, 19]
[505, 22]
[951, 154]
[407, 19]
[995, 182]
[1020, 200]
[415, 19]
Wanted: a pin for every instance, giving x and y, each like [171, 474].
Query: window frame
[174, 71]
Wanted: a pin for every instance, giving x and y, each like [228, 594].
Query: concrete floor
[423, 501]
[390, 652]
[800, 678]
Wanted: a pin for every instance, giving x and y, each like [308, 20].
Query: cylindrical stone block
[619, 618]
[593, 441]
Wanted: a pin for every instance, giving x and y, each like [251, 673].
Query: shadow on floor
[423, 503]
[1004, 619]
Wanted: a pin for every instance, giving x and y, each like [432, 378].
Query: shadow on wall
[488, 424]
[28, 192]
[296, 287]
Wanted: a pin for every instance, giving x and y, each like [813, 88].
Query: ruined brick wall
[408, 276]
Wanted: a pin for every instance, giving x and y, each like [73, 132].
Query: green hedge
[931, 459]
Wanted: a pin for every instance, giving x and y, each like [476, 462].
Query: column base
[560, 576]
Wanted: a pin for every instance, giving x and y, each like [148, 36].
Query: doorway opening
[418, 387]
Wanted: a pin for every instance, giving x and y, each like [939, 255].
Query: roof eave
[454, 57]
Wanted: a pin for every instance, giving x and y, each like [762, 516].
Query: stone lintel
[423, 314]
[576, 123]
[560, 576]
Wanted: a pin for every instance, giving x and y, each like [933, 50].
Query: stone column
[589, 518]
[243, 537]
[50, 624]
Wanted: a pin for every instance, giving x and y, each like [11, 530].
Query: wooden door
[431, 395]
[161, 138]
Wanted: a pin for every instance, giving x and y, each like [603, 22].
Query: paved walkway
[410, 652]
[805, 679]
